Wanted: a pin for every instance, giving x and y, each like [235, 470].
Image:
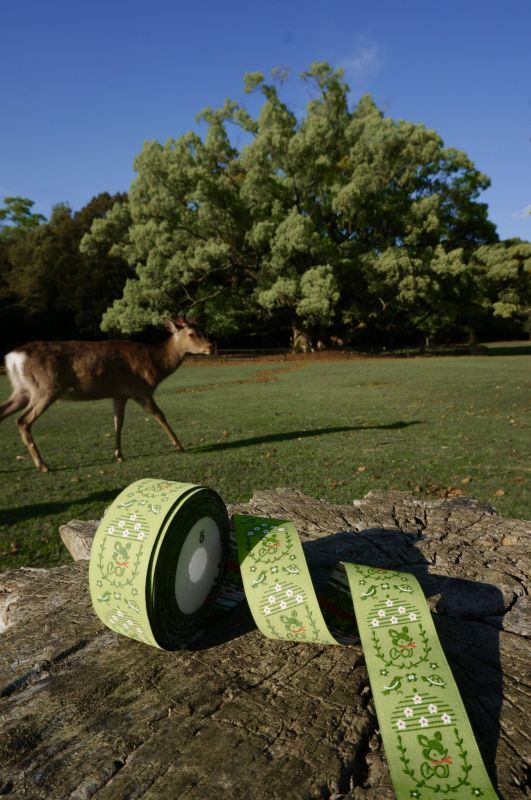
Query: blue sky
[86, 83]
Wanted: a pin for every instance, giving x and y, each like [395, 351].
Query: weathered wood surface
[78, 536]
[86, 713]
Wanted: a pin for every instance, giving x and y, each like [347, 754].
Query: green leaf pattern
[430, 747]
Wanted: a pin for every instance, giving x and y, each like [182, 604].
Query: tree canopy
[17, 217]
[47, 287]
[340, 221]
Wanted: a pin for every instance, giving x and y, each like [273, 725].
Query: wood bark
[86, 713]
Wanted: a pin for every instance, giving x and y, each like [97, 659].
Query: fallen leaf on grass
[361, 469]
[466, 480]
[452, 491]
[437, 490]
[499, 492]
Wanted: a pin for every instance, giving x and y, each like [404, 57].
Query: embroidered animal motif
[436, 754]
[394, 686]
[403, 644]
[434, 680]
[295, 629]
[261, 578]
[291, 569]
[120, 559]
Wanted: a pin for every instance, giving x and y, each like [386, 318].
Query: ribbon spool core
[198, 565]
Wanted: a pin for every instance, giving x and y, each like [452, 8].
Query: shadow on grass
[289, 435]
[516, 350]
[107, 461]
[14, 515]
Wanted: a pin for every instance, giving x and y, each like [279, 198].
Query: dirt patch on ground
[282, 358]
[262, 376]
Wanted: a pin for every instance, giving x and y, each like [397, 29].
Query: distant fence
[402, 352]
[454, 349]
[285, 354]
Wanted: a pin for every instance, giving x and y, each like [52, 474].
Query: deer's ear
[169, 325]
[180, 322]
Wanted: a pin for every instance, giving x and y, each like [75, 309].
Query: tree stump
[87, 713]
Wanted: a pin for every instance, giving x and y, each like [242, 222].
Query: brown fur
[43, 372]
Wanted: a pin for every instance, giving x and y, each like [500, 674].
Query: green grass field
[334, 429]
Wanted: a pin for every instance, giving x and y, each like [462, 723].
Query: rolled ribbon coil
[163, 557]
[158, 559]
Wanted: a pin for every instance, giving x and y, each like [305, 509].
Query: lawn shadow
[108, 461]
[13, 515]
[459, 610]
[515, 350]
[290, 435]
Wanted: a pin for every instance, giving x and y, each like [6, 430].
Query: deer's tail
[20, 397]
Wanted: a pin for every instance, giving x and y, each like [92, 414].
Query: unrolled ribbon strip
[164, 558]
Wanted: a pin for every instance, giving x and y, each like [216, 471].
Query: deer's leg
[17, 401]
[149, 405]
[119, 409]
[24, 423]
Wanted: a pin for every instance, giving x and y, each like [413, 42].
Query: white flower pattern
[130, 526]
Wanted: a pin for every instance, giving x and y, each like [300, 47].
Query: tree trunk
[301, 340]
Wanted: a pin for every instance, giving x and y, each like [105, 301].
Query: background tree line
[341, 223]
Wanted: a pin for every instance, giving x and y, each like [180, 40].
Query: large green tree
[343, 219]
[48, 287]
[502, 275]
[17, 217]
[17, 220]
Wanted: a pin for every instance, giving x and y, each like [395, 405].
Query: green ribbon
[163, 559]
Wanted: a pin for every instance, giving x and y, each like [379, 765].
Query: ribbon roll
[157, 561]
[163, 558]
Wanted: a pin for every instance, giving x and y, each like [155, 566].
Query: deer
[43, 372]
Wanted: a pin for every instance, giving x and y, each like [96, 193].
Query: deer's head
[189, 336]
